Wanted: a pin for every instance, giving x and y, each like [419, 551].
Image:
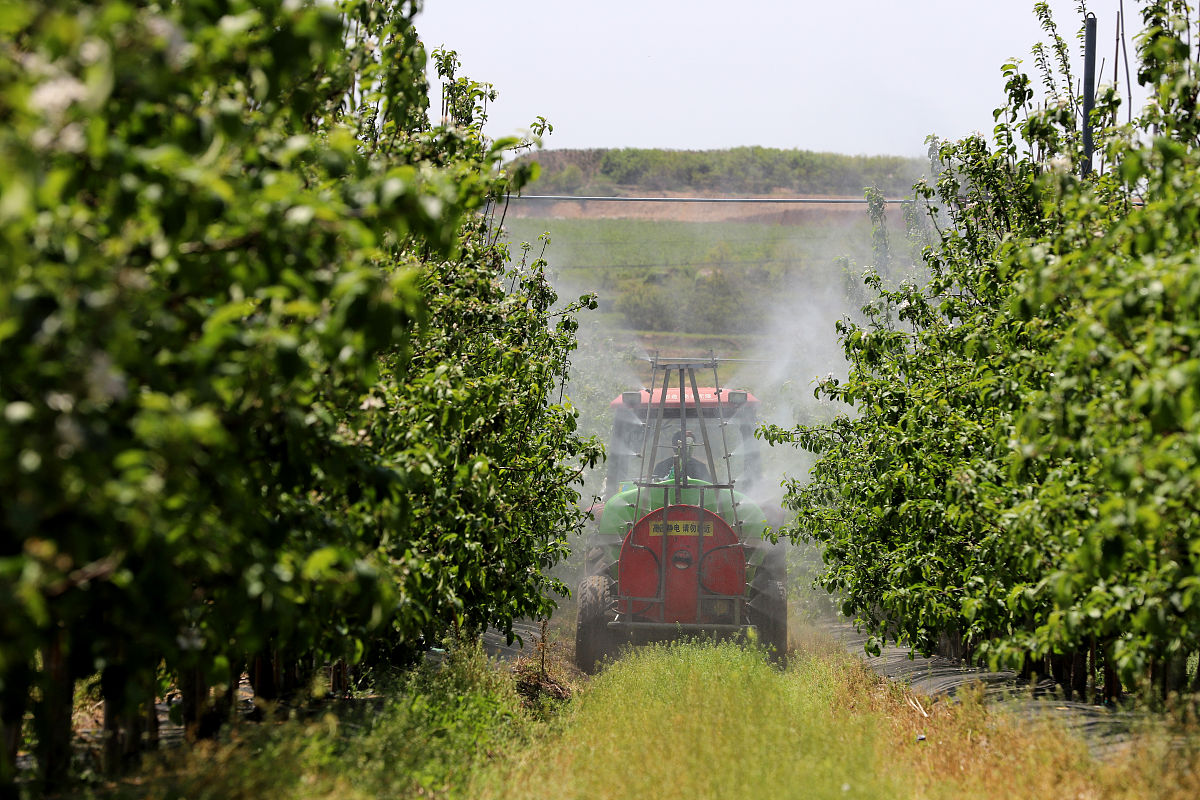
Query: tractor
[679, 549]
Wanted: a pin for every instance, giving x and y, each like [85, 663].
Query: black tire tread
[593, 640]
[775, 635]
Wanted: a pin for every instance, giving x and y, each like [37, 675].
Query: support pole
[1089, 90]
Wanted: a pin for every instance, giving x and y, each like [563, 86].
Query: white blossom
[55, 95]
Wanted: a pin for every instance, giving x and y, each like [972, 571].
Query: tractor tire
[770, 618]
[593, 640]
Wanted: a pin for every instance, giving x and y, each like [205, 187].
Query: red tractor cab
[679, 546]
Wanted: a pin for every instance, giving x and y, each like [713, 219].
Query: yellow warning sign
[680, 528]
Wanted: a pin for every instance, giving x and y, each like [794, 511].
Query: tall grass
[700, 721]
[424, 737]
[694, 721]
[716, 721]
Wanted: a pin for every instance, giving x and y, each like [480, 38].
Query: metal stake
[1089, 90]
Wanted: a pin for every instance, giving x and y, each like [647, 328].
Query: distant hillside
[740, 171]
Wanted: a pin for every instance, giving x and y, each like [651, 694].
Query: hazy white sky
[849, 76]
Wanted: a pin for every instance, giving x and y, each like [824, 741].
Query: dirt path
[831, 213]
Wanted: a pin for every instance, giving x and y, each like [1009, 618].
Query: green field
[613, 244]
[702, 277]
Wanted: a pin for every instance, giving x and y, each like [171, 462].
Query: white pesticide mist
[799, 347]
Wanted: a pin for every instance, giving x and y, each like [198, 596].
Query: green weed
[699, 720]
[436, 726]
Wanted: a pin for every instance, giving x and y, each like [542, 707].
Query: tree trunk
[151, 712]
[263, 676]
[1027, 667]
[1060, 670]
[194, 691]
[219, 707]
[339, 678]
[1091, 684]
[53, 717]
[1080, 674]
[112, 738]
[1112, 684]
[13, 701]
[114, 687]
[133, 728]
[950, 644]
[293, 677]
[1174, 675]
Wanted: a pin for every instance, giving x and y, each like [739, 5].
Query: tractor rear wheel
[769, 615]
[593, 640]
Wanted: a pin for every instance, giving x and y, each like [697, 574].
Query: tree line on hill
[738, 170]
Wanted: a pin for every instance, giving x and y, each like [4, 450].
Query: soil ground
[831, 213]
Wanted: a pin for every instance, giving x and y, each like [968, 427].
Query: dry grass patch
[963, 748]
